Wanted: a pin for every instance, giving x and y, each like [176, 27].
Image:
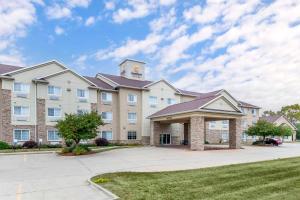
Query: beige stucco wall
[220, 104]
[162, 91]
[125, 108]
[281, 121]
[68, 102]
[114, 108]
[184, 98]
[26, 77]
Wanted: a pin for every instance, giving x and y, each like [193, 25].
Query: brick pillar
[94, 107]
[155, 133]
[235, 132]
[41, 120]
[5, 104]
[197, 133]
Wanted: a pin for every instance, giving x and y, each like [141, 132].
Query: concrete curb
[24, 153]
[107, 192]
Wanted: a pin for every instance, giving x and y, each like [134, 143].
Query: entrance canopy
[219, 105]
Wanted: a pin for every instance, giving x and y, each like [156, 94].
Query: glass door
[165, 138]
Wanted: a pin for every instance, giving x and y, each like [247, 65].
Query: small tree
[283, 131]
[298, 131]
[261, 128]
[79, 127]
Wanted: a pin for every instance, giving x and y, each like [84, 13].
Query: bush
[30, 144]
[69, 143]
[51, 146]
[80, 150]
[101, 142]
[4, 145]
[258, 142]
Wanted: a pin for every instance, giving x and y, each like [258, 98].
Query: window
[54, 91]
[107, 135]
[254, 112]
[21, 88]
[21, 134]
[54, 112]
[132, 117]
[244, 123]
[107, 117]
[106, 97]
[225, 123]
[131, 135]
[225, 136]
[152, 101]
[244, 136]
[171, 101]
[131, 99]
[82, 111]
[53, 135]
[82, 93]
[212, 124]
[21, 111]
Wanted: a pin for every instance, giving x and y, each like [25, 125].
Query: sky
[251, 48]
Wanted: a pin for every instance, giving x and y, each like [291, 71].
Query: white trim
[218, 97]
[163, 80]
[35, 66]
[21, 134]
[20, 115]
[107, 131]
[52, 140]
[108, 80]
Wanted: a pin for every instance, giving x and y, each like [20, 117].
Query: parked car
[274, 141]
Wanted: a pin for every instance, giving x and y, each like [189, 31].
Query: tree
[79, 127]
[283, 130]
[298, 131]
[270, 113]
[261, 128]
[292, 112]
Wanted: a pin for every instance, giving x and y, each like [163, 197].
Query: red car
[274, 141]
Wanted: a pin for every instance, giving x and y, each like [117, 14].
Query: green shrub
[51, 146]
[30, 144]
[80, 150]
[4, 145]
[69, 143]
[258, 142]
[101, 180]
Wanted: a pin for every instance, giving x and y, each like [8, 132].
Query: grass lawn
[278, 179]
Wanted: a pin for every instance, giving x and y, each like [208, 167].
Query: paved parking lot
[48, 176]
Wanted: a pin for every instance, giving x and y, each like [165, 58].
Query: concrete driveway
[48, 176]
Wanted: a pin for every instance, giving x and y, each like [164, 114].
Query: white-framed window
[244, 136]
[54, 91]
[21, 134]
[82, 95]
[22, 111]
[107, 117]
[132, 117]
[212, 124]
[225, 123]
[152, 101]
[107, 135]
[131, 135]
[21, 89]
[253, 112]
[54, 112]
[244, 123]
[224, 135]
[171, 101]
[53, 136]
[106, 97]
[131, 98]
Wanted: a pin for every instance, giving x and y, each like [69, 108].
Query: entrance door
[165, 138]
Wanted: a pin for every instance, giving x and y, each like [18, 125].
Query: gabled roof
[126, 82]
[189, 93]
[99, 83]
[8, 68]
[247, 105]
[166, 82]
[195, 105]
[22, 69]
[274, 118]
[44, 78]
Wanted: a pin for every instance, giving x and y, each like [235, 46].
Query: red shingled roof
[185, 106]
[122, 81]
[98, 82]
[8, 68]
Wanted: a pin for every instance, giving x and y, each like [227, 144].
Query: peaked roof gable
[164, 81]
[220, 103]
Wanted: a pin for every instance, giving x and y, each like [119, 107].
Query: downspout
[35, 102]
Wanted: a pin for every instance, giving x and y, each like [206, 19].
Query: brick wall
[6, 131]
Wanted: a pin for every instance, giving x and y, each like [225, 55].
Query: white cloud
[131, 47]
[78, 3]
[16, 17]
[167, 2]
[90, 21]
[59, 31]
[110, 5]
[57, 12]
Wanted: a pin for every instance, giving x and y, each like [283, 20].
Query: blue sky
[251, 48]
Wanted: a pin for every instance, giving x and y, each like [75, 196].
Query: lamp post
[40, 142]
[15, 142]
